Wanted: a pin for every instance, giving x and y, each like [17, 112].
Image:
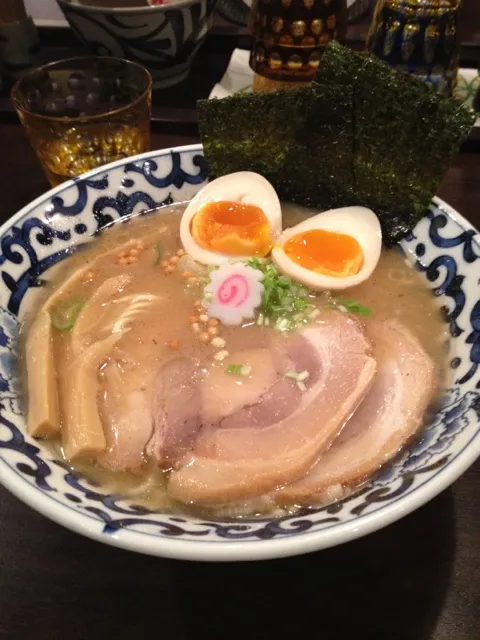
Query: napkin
[237, 77]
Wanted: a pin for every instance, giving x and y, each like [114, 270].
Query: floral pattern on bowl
[443, 246]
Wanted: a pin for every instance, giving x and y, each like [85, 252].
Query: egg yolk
[326, 252]
[233, 228]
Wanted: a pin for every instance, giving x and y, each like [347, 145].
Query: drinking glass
[82, 113]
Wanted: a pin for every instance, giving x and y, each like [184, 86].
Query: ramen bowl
[443, 247]
[162, 38]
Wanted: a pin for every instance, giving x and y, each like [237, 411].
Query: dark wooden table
[415, 580]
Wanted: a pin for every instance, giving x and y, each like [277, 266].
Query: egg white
[358, 222]
[246, 187]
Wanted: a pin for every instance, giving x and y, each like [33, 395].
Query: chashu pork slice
[388, 417]
[176, 410]
[240, 463]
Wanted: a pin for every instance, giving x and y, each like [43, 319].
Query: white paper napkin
[237, 77]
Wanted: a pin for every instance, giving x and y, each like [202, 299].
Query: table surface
[415, 580]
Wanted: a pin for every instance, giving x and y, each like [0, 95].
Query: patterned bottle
[289, 38]
[419, 37]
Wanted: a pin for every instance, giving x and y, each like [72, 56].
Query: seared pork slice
[127, 418]
[240, 463]
[267, 406]
[224, 394]
[390, 414]
[176, 410]
[274, 405]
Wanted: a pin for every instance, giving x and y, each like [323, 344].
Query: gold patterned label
[290, 36]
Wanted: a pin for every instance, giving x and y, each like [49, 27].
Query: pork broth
[164, 321]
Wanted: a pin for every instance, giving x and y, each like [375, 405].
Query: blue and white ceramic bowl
[162, 38]
[444, 247]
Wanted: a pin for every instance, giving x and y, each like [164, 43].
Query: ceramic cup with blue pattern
[443, 247]
[162, 38]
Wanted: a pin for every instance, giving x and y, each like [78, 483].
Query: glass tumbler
[82, 113]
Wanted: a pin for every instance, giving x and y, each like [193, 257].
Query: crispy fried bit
[204, 337]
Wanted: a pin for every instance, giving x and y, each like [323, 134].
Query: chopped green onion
[350, 306]
[239, 369]
[65, 313]
[282, 298]
[235, 369]
[159, 251]
[299, 378]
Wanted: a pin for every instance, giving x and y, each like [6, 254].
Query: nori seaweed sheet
[301, 141]
[361, 134]
[405, 136]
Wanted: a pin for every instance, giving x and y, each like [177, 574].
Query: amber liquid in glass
[89, 147]
[82, 113]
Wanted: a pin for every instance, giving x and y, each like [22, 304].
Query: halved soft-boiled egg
[335, 249]
[233, 217]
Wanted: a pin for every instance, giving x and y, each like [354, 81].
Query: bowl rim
[246, 550]
[83, 8]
